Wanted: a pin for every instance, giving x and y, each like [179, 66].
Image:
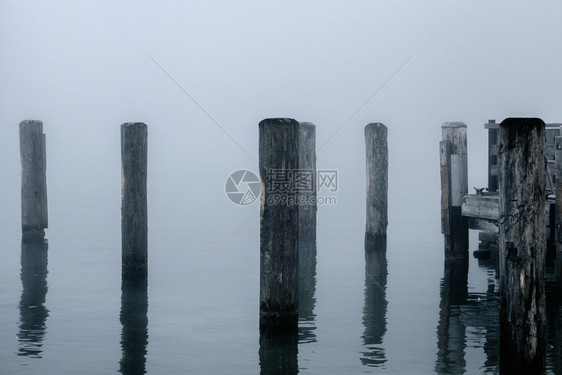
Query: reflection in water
[467, 319]
[451, 330]
[374, 310]
[278, 351]
[33, 313]
[134, 336]
[307, 285]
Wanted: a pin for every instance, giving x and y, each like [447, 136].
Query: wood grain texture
[134, 221]
[522, 246]
[376, 146]
[34, 213]
[454, 186]
[279, 224]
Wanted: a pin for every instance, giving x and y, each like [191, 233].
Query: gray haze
[83, 68]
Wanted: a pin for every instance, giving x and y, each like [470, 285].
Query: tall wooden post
[134, 227]
[454, 185]
[492, 155]
[522, 243]
[376, 146]
[305, 179]
[279, 223]
[558, 188]
[34, 215]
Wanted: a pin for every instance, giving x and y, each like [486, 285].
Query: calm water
[63, 309]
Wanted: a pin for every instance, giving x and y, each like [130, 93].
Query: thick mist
[188, 69]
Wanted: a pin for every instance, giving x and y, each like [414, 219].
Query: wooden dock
[482, 209]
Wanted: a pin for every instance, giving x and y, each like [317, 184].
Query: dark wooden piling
[376, 146]
[134, 227]
[34, 215]
[492, 155]
[454, 185]
[305, 179]
[307, 190]
[279, 222]
[558, 188]
[522, 243]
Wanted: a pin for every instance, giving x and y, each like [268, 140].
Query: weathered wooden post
[306, 184]
[558, 187]
[454, 185]
[305, 179]
[134, 227]
[377, 184]
[34, 215]
[522, 243]
[279, 222]
[492, 155]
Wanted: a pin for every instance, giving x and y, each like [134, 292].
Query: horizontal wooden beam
[481, 206]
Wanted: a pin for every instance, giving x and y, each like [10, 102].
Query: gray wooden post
[454, 185]
[492, 155]
[134, 227]
[306, 179]
[558, 188]
[34, 215]
[522, 243]
[279, 224]
[307, 230]
[376, 146]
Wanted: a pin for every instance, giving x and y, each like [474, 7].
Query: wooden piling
[558, 187]
[376, 146]
[454, 185]
[522, 246]
[134, 227]
[306, 179]
[34, 215]
[279, 222]
[492, 155]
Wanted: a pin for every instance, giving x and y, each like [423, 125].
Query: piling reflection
[33, 312]
[134, 336]
[467, 319]
[451, 330]
[278, 351]
[307, 285]
[374, 310]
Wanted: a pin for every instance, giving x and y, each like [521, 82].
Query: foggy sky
[83, 68]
